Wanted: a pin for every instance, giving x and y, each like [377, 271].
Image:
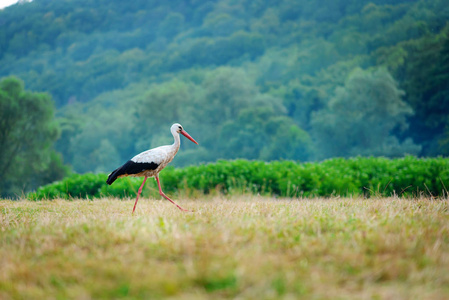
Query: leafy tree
[442, 91]
[426, 71]
[27, 132]
[361, 118]
[161, 106]
[260, 133]
[287, 141]
[171, 25]
[224, 94]
[225, 111]
[246, 135]
[102, 144]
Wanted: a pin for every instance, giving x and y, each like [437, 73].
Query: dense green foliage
[267, 80]
[27, 133]
[407, 176]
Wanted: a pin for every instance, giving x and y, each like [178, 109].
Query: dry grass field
[243, 247]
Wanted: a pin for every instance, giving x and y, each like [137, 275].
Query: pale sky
[4, 3]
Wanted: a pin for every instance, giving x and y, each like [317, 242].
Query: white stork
[149, 163]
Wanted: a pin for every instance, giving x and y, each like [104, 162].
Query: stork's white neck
[177, 142]
[177, 139]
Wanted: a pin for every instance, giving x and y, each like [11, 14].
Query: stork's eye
[180, 128]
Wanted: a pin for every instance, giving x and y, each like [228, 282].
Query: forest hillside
[267, 80]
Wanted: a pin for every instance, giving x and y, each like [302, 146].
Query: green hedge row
[409, 176]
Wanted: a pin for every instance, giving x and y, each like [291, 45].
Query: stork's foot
[186, 210]
[182, 209]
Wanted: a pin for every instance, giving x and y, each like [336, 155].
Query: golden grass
[242, 247]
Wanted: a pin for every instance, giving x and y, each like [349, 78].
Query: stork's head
[178, 129]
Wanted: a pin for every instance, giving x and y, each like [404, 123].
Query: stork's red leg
[165, 196]
[138, 193]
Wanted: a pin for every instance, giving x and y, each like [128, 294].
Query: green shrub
[74, 186]
[408, 176]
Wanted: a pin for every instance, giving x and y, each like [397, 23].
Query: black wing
[129, 168]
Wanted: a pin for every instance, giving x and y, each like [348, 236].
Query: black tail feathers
[112, 177]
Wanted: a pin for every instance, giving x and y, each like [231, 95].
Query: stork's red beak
[184, 133]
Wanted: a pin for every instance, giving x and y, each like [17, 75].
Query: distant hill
[302, 80]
